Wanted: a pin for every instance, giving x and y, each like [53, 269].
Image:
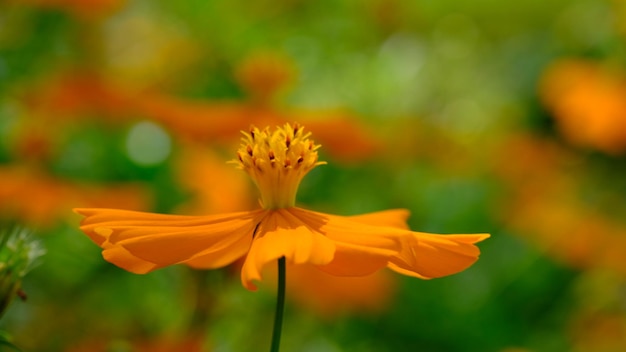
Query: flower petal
[393, 217]
[281, 234]
[352, 260]
[379, 240]
[428, 256]
[362, 248]
[202, 241]
[125, 260]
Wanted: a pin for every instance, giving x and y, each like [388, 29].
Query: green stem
[280, 306]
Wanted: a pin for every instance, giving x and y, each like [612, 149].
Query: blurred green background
[478, 116]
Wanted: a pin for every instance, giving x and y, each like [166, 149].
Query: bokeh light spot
[148, 144]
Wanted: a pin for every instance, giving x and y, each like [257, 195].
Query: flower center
[277, 161]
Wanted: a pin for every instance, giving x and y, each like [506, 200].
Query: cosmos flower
[586, 101]
[32, 195]
[277, 161]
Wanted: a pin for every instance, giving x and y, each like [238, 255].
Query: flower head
[277, 161]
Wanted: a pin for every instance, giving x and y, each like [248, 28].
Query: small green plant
[19, 253]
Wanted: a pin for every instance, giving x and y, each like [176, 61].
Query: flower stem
[280, 306]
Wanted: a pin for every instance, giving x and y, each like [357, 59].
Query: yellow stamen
[277, 161]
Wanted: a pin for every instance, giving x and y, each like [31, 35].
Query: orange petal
[331, 296]
[428, 256]
[125, 260]
[362, 248]
[281, 234]
[349, 230]
[351, 260]
[393, 217]
[202, 241]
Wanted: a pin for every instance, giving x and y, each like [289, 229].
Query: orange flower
[191, 343]
[214, 187]
[277, 161]
[330, 296]
[588, 104]
[599, 331]
[77, 94]
[40, 199]
[544, 188]
[264, 75]
[89, 10]
[216, 120]
[82, 94]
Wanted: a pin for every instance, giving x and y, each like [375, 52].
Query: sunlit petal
[361, 248]
[283, 234]
[125, 260]
[393, 217]
[204, 241]
[428, 256]
[339, 245]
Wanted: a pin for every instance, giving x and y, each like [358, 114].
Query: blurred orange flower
[599, 332]
[212, 185]
[543, 182]
[587, 101]
[264, 75]
[217, 121]
[191, 343]
[277, 161]
[32, 142]
[330, 296]
[79, 94]
[87, 9]
[40, 199]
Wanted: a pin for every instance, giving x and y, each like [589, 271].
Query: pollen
[277, 161]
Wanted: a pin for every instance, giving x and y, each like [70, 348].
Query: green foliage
[442, 86]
